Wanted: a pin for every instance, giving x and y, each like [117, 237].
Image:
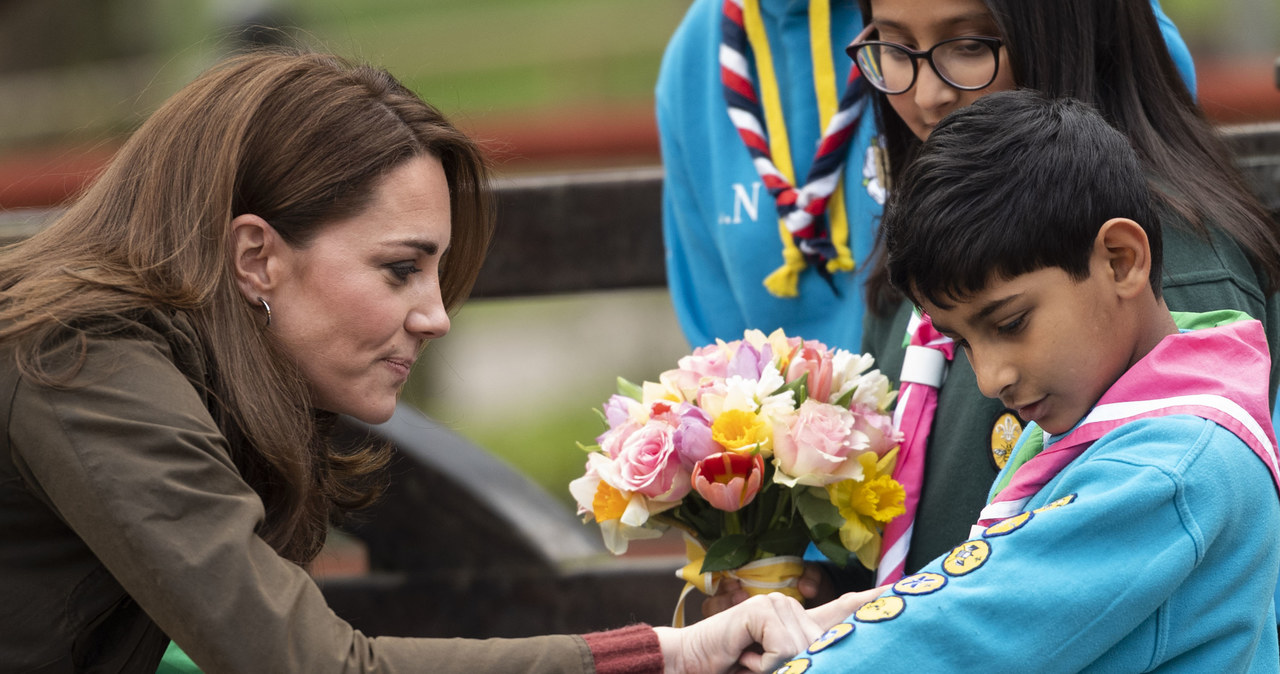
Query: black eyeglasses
[966, 63]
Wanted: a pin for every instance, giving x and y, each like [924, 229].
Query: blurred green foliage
[498, 56]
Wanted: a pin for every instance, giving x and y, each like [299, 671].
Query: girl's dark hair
[1112, 55]
[300, 139]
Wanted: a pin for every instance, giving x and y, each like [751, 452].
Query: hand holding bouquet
[754, 448]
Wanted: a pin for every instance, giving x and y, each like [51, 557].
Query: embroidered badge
[796, 666]
[1007, 525]
[832, 636]
[1004, 435]
[920, 583]
[880, 610]
[967, 558]
[1069, 498]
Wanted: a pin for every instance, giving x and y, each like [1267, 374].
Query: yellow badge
[967, 558]
[796, 666]
[920, 583]
[1004, 435]
[832, 636]
[1056, 504]
[1008, 525]
[880, 610]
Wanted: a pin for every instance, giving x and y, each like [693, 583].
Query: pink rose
[728, 480]
[612, 440]
[814, 446]
[648, 464]
[706, 361]
[878, 427]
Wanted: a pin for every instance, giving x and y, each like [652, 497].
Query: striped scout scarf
[809, 236]
[924, 368]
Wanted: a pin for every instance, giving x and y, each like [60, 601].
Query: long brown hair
[1112, 55]
[299, 139]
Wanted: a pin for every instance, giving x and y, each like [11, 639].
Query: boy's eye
[403, 270]
[1013, 326]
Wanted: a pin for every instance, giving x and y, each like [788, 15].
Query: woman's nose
[428, 318]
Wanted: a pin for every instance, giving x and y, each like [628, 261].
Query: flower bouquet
[754, 449]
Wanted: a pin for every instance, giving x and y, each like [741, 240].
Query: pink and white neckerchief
[1199, 373]
[802, 210]
[924, 367]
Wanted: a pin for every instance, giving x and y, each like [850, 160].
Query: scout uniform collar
[1204, 391]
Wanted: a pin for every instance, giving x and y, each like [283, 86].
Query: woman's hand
[815, 586]
[756, 635]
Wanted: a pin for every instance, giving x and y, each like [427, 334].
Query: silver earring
[267, 307]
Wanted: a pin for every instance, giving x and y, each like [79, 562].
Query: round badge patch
[880, 610]
[967, 558]
[1007, 525]
[1069, 498]
[796, 666]
[1004, 435]
[832, 636]
[920, 583]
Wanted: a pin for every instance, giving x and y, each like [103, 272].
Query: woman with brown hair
[272, 248]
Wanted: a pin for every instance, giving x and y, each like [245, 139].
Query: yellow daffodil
[741, 431]
[867, 504]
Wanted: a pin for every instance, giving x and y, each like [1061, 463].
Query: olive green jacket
[123, 520]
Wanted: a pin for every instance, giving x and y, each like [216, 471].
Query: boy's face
[1046, 345]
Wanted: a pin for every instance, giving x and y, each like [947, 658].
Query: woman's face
[920, 24]
[356, 305]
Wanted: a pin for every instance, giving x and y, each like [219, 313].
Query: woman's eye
[403, 270]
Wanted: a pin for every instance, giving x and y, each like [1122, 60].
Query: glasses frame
[916, 55]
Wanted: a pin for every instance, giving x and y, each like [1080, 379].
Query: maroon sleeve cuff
[629, 650]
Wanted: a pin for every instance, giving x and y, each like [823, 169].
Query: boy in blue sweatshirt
[1137, 526]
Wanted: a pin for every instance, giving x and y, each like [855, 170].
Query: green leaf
[817, 509]
[799, 386]
[630, 390]
[846, 398]
[588, 448]
[729, 552]
[604, 420]
[822, 530]
[789, 541]
[837, 553]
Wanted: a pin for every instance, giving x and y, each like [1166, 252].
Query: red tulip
[728, 480]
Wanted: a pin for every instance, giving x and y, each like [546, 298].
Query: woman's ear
[256, 248]
[1122, 244]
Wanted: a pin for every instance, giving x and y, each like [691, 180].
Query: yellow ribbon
[772, 574]
[785, 281]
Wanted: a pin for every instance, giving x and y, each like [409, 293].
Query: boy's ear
[256, 253]
[1123, 246]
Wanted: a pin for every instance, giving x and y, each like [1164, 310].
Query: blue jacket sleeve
[1116, 566]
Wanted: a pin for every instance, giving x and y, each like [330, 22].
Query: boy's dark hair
[1013, 183]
